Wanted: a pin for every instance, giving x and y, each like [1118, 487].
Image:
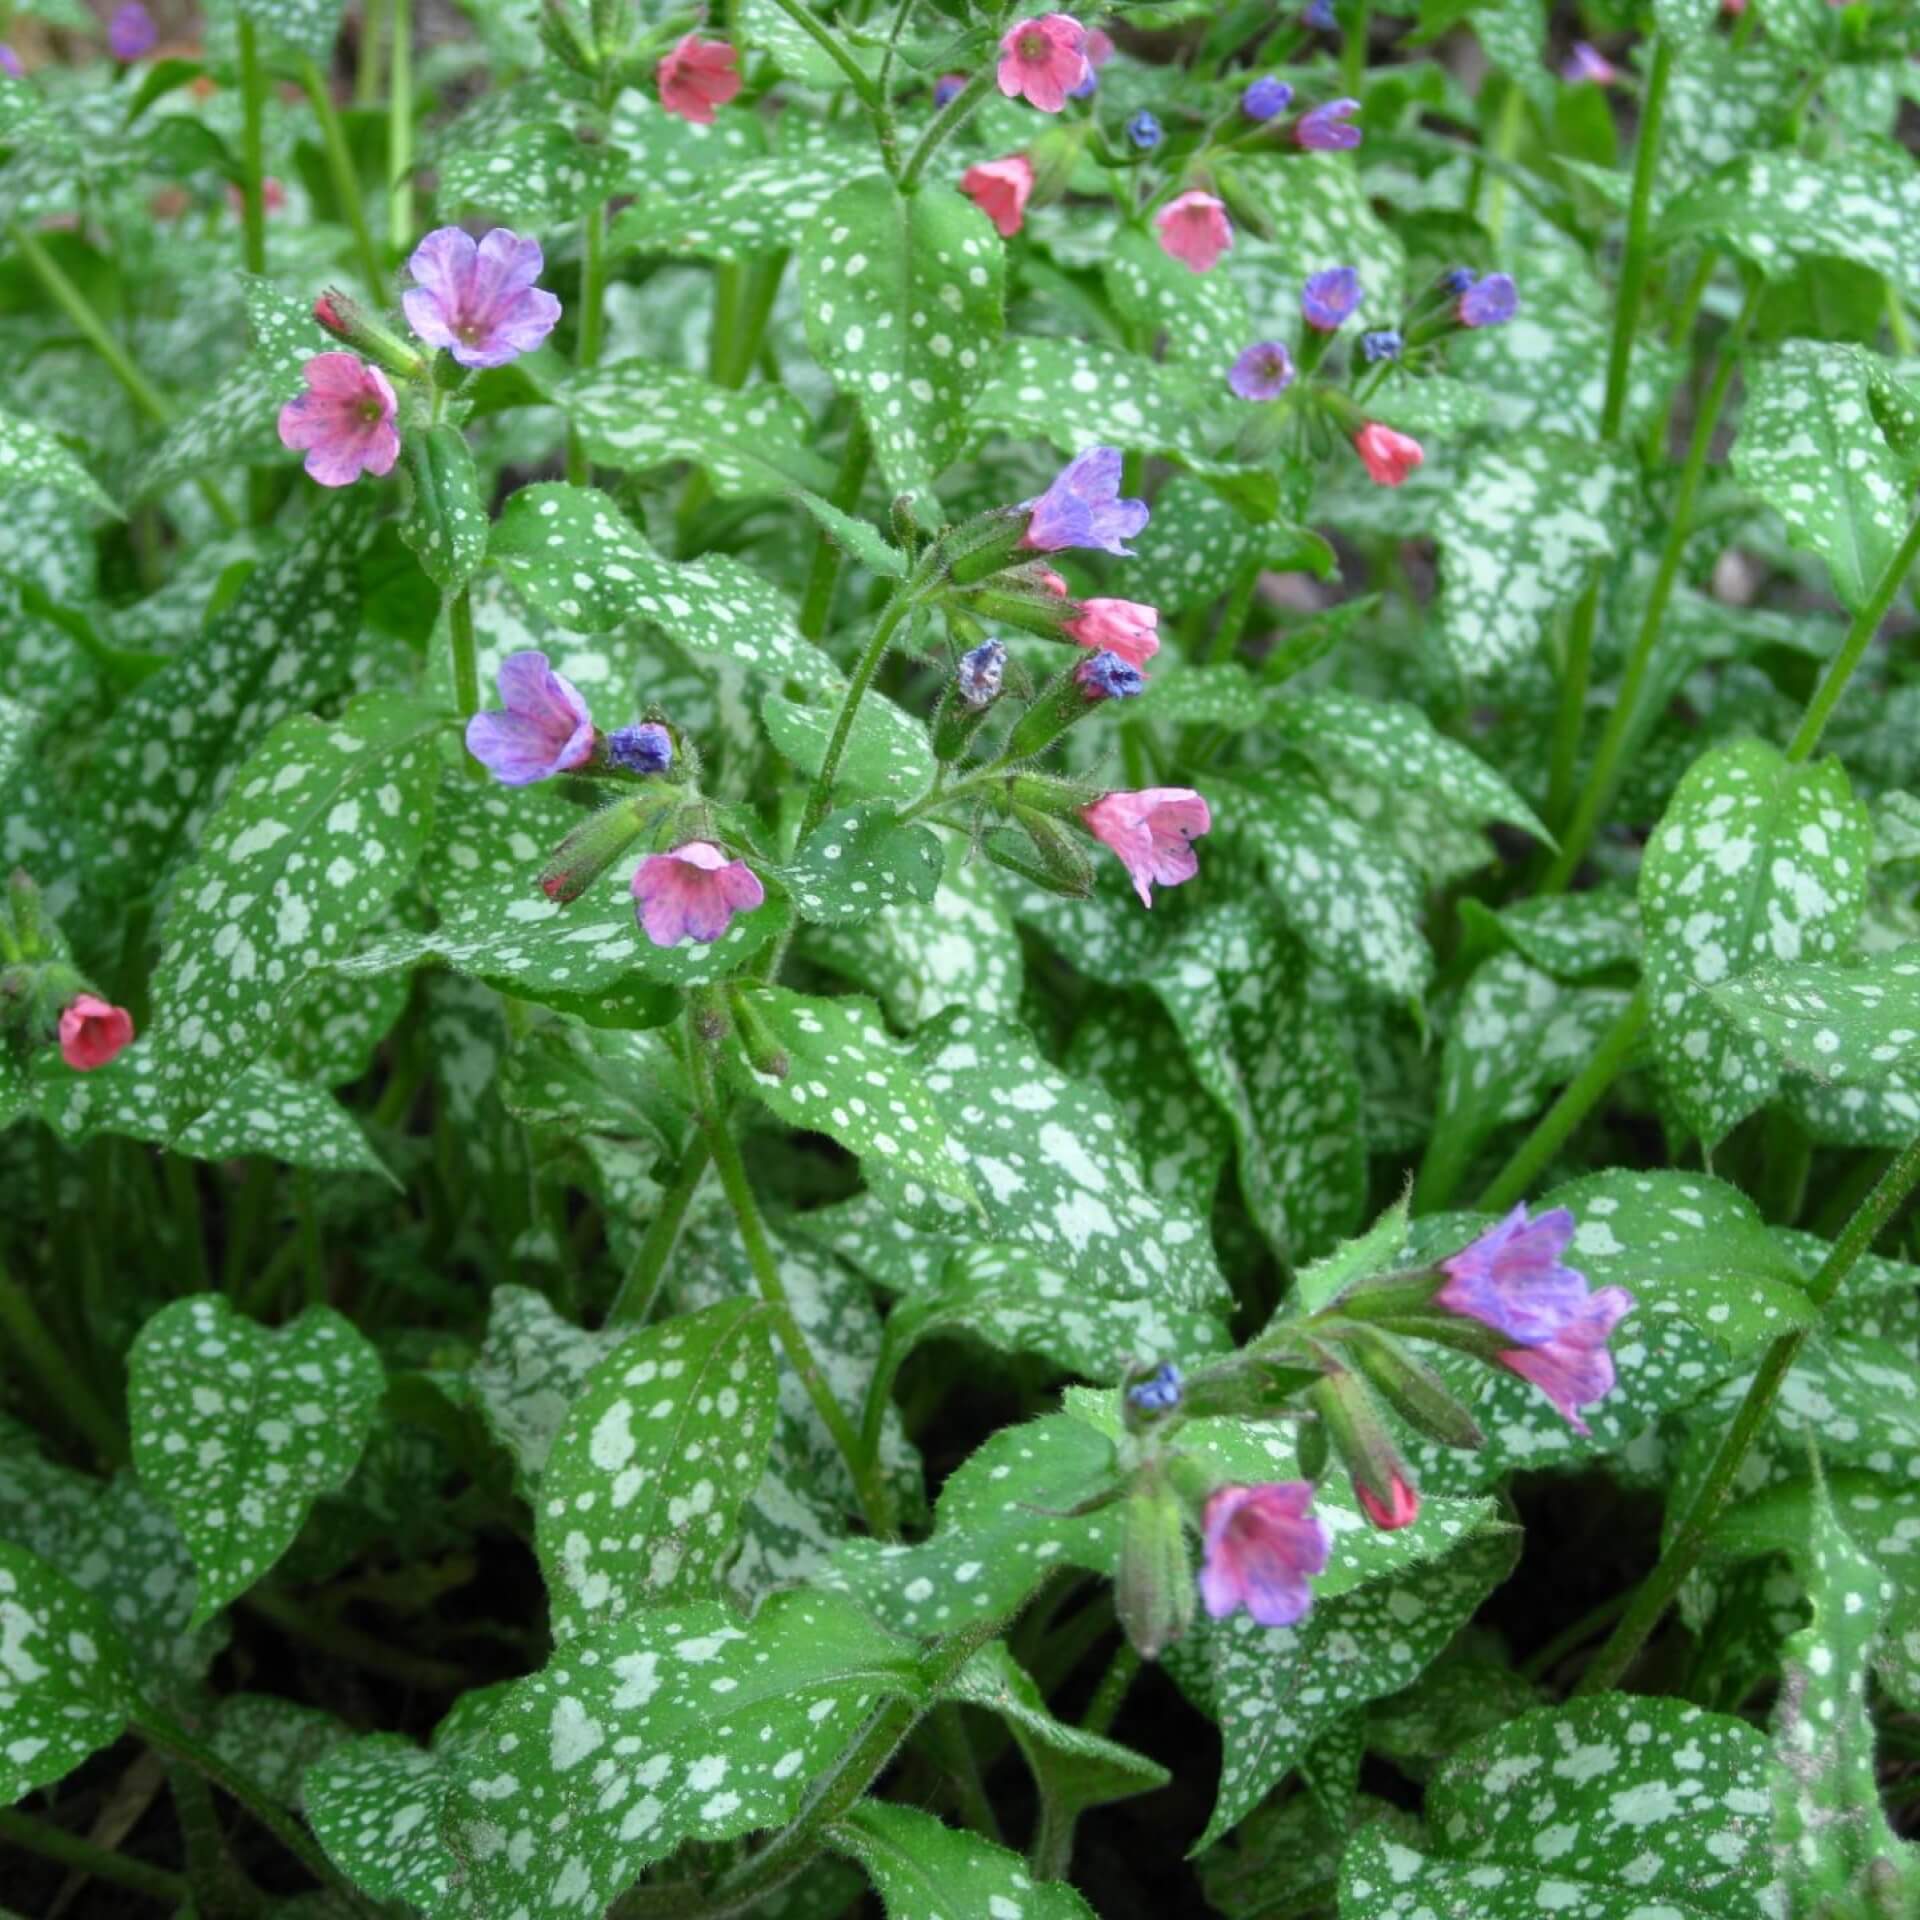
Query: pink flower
[1512, 1278]
[1050, 582]
[1400, 1509]
[692, 893]
[10, 63]
[999, 188]
[1262, 1547]
[695, 76]
[1099, 46]
[1043, 60]
[1150, 831]
[273, 199]
[344, 420]
[545, 728]
[1587, 63]
[1573, 1368]
[92, 1031]
[1195, 230]
[479, 301]
[131, 32]
[1124, 627]
[1388, 456]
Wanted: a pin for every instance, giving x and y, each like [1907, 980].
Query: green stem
[253, 98]
[1551, 1131]
[820, 801]
[1866, 623]
[1569, 720]
[34, 1346]
[1542, 1662]
[829, 43]
[1233, 617]
[1052, 1851]
[1597, 791]
[366, 73]
[945, 124]
[1683, 1551]
[465, 655]
[640, 1288]
[593, 294]
[55, 1843]
[947, 1734]
[1353, 52]
[400, 130]
[823, 571]
[341, 171]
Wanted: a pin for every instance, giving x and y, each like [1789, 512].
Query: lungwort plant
[959, 963]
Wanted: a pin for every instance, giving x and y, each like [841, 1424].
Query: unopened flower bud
[592, 847]
[347, 320]
[1153, 1588]
[644, 749]
[1357, 1429]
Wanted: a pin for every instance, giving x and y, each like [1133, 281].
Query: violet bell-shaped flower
[541, 728]
[478, 300]
[1083, 508]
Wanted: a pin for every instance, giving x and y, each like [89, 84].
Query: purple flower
[1266, 97]
[1457, 279]
[479, 302]
[10, 62]
[1329, 297]
[1144, 131]
[1159, 1392]
[646, 748]
[1083, 508]
[1512, 1278]
[1263, 372]
[1587, 63]
[1089, 81]
[692, 893]
[546, 728]
[1318, 16]
[1573, 1368]
[947, 86]
[1490, 302]
[343, 422]
[1325, 129]
[1384, 345]
[1262, 1547]
[1105, 676]
[131, 32]
[977, 678]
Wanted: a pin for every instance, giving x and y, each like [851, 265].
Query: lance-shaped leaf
[445, 519]
[920, 1866]
[1858, 1025]
[30, 456]
[240, 1428]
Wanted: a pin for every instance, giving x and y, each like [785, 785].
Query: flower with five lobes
[1043, 60]
[1195, 230]
[1083, 508]
[1387, 456]
[545, 728]
[1151, 832]
[343, 421]
[131, 32]
[478, 301]
[1490, 302]
[1000, 189]
[692, 893]
[93, 1031]
[1125, 627]
[1587, 63]
[1262, 1547]
[695, 76]
[1264, 371]
[1327, 129]
[1329, 298]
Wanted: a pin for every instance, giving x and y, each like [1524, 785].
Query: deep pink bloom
[1263, 372]
[131, 32]
[1513, 1277]
[1050, 582]
[479, 301]
[1083, 507]
[999, 188]
[1326, 130]
[1262, 1547]
[1401, 1508]
[1125, 627]
[1195, 230]
[692, 893]
[92, 1031]
[1043, 60]
[10, 62]
[344, 420]
[1151, 831]
[695, 76]
[1099, 46]
[545, 728]
[1574, 1369]
[1586, 62]
[1388, 456]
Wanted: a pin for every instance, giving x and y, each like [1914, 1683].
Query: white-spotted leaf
[922, 1867]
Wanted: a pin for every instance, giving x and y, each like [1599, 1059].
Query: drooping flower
[692, 893]
[1264, 371]
[131, 33]
[1151, 832]
[1083, 508]
[10, 62]
[1195, 230]
[1263, 1546]
[93, 1031]
[1043, 60]
[545, 727]
[1125, 627]
[999, 188]
[1144, 131]
[1329, 298]
[1265, 98]
[1573, 1368]
[479, 301]
[343, 421]
[1327, 129]
[1491, 302]
[947, 87]
[645, 748]
[1387, 344]
[1159, 1392]
[1514, 1277]
[978, 677]
[1387, 456]
[695, 76]
[1105, 676]
[1586, 63]
[1399, 1509]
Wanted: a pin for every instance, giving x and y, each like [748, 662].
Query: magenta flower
[479, 302]
[1263, 372]
[1489, 302]
[999, 188]
[93, 1031]
[692, 893]
[1151, 832]
[697, 76]
[1083, 508]
[10, 62]
[1573, 1367]
[1125, 627]
[1513, 1278]
[545, 728]
[1401, 1507]
[344, 420]
[1195, 230]
[1043, 60]
[131, 33]
[1329, 298]
[1326, 130]
[1387, 456]
[1262, 1547]
[1587, 63]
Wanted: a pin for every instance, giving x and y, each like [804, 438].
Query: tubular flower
[695, 76]
[542, 727]
[692, 893]
[1043, 60]
[93, 1031]
[1151, 832]
[1263, 1546]
[1000, 188]
[1124, 627]
[1195, 230]
[1387, 456]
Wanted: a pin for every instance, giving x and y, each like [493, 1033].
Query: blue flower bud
[1265, 98]
[1107, 677]
[1457, 279]
[1159, 1392]
[647, 748]
[1384, 345]
[978, 676]
[1319, 16]
[1144, 131]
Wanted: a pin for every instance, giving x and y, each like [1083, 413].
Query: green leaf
[584, 1079]
[1757, 861]
[753, 207]
[272, 1741]
[1858, 1025]
[887, 752]
[1375, 1251]
[1201, 317]
[1607, 1807]
[1076, 394]
[922, 1867]
[334, 1027]
[31, 456]
[859, 861]
[640, 1501]
[902, 302]
[1685, 21]
[306, 26]
[444, 520]
[535, 174]
[1572, 936]
[1283, 1862]
[1190, 550]
[860, 538]
[320, 827]
[239, 1429]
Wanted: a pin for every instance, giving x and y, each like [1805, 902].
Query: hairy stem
[945, 124]
[253, 98]
[593, 295]
[823, 571]
[820, 800]
[640, 1288]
